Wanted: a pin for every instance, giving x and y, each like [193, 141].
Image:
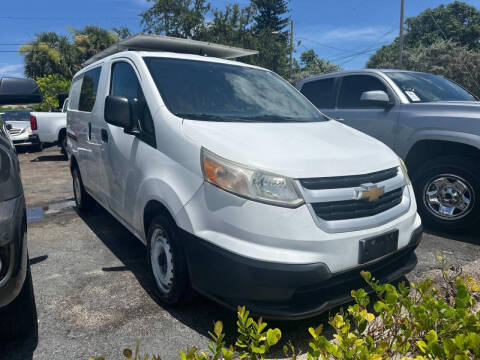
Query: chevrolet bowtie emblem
[369, 192]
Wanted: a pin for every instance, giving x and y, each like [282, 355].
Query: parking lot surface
[92, 290]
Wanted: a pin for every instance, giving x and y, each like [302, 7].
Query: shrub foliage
[425, 320]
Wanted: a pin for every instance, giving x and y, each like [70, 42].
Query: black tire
[83, 200]
[178, 290]
[37, 147]
[452, 168]
[19, 318]
[63, 146]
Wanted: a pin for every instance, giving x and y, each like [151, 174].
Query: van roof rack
[150, 42]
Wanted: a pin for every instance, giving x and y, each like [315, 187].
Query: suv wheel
[448, 192]
[83, 200]
[19, 318]
[167, 263]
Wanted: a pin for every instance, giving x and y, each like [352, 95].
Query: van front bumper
[285, 291]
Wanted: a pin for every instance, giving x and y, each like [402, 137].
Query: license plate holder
[378, 246]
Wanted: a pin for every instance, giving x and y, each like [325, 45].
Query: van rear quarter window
[88, 92]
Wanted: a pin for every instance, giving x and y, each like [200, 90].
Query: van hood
[296, 150]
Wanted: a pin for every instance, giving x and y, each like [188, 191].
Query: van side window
[352, 88]
[75, 93]
[125, 83]
[88, 93]
[320, 92]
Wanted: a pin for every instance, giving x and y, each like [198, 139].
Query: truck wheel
[448, 193]
[167, 263]
[37, 147]
[63, 146]
[83, 200]
[19, 318]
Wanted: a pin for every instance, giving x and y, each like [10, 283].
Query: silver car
[18, 314]
[431, 122]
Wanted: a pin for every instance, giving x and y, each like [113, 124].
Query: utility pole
[400, 40]
[291, 51]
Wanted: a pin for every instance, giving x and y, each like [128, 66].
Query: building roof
[149, 42]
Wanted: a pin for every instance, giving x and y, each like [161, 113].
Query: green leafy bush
[426, 320]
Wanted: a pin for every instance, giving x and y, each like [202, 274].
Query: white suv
[240, 188]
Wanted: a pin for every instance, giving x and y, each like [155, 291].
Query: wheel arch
[154, 208]
[61, 134]
[424, 150]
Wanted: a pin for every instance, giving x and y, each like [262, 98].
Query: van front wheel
[167, 263]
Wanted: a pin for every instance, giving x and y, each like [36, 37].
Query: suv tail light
[33, 122]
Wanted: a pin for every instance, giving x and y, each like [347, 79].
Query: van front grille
[354, 209]
[348, 181]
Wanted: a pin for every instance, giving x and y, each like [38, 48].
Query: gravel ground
[92, 291]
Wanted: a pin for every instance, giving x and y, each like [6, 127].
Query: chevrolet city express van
[240, 188]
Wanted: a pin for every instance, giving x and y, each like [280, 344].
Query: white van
[240, 188]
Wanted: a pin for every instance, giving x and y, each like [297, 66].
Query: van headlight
[403, 167]
[250, 183]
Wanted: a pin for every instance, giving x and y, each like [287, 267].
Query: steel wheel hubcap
[161, 260]
[449, 196]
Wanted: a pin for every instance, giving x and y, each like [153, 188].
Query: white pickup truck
[50, 127]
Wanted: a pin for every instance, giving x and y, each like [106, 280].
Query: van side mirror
[376, 97]
[117, 111]
[9, 127]
[15, 91]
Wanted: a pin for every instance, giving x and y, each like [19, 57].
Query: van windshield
[422, 87]
[201, 90]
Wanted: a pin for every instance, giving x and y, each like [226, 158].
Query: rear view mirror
[376, 97]
[15, 91]
[117, 111]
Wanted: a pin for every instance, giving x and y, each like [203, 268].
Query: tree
[310, 65]
[51, 53]
[271, 15]
[91, 40]
[51, 86]
[178, 18]
[122, 32]
[270, 21]
[458, 22]
[48, 54]
[232, 27]
[445, 58]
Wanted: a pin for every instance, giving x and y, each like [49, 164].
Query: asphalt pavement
[92, 291]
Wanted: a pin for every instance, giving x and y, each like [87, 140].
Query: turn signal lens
[250, 183]
[403, 167]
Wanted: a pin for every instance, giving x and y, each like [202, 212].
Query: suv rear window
[320, 93]
[88, 92]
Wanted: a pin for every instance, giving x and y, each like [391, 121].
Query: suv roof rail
[150, 42]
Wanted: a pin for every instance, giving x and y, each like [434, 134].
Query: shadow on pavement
[471, 236]
[49, 158]
[20, 349]
[199, 315]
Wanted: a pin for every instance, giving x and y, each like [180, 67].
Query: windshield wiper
[274, 118]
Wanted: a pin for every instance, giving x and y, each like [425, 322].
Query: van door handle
[104, 135]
